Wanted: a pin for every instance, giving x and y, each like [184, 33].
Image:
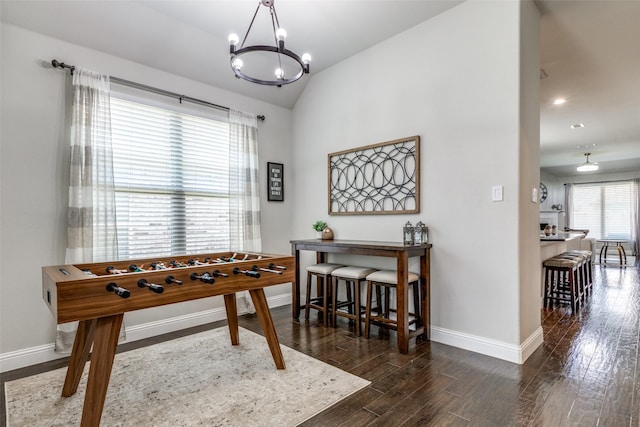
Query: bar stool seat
[352, 277]
[388, 279]
[322, 273]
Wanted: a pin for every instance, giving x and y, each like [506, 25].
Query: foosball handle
[121, 292]
[170, 279]
[152, 286]
[249, 273]
[204, 277]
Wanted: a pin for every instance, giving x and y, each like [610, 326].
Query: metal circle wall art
[376, 179]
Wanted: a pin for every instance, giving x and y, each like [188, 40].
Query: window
[171, 173]
[604, 208]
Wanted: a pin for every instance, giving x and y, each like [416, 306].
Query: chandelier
[272, 65]
[587, 166]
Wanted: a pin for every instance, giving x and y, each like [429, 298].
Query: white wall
[455, 80]
[460, 80]
[34, 177]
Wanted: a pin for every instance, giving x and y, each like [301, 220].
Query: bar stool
[388, 279]
[560, 281]
[322, 273]
[352, 277]
[581, 277]
[587, 267]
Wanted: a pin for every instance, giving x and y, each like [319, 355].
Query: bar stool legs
[322, 273]
[353, 278]
[383, 312]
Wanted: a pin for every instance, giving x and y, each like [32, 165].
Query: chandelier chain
[250, 25]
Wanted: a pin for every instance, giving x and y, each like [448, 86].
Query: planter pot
[318, 234]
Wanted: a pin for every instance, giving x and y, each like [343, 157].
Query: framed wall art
[275, 182]
[376, 179]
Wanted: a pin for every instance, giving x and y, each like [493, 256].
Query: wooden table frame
[622, 255]
[72, 295]
[395, 250]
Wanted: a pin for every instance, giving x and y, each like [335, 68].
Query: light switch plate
[497, 193]
[534, 195]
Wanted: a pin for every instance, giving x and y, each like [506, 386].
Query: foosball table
[98, 294]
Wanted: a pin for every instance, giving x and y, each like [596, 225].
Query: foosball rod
[268, 270]
[281, 267]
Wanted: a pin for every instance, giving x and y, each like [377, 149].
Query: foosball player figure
[112, 270]
[135, 268]
[157, 266]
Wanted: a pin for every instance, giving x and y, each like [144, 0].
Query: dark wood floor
[585, 374]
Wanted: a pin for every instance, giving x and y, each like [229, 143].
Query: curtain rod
[57, 64]
[601, 182]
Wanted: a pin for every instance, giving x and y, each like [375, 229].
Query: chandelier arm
[250, 25]
[274, 21]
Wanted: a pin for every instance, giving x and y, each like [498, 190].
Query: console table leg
[104, 351]
[264, 315]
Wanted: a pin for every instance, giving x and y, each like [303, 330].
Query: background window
[603, 208]
[171, 173]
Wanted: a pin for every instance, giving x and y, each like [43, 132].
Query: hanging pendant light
[288, 67]
[587, 166]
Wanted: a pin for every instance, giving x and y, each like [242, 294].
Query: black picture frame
[275, 182]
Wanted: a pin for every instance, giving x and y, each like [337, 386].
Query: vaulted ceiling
[589, 54]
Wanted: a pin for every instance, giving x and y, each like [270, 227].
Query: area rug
[198, 380]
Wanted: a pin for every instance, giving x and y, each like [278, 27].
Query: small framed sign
[275, 182]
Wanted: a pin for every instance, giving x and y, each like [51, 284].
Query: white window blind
[603, 208]
[171, 173]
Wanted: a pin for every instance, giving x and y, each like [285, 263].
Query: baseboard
[45, 353]
[498, 349]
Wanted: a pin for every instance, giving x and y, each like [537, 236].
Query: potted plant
[319, 226]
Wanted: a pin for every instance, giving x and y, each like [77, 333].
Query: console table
[396, 250]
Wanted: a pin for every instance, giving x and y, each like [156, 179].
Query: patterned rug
[200, 380]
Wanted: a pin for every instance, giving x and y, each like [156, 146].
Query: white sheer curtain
[91, 230]
[635, 216]
[244, 205]
[568, 204]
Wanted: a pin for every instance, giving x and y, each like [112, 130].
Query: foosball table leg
[104, 351]
[269, 329]
[79, 356]
[232, 317]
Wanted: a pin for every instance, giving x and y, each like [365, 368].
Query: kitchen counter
[561, 237]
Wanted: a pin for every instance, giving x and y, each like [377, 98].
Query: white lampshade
[587, 166]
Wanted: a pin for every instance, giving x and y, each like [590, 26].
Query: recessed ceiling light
[577, 126]
[559, 101]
